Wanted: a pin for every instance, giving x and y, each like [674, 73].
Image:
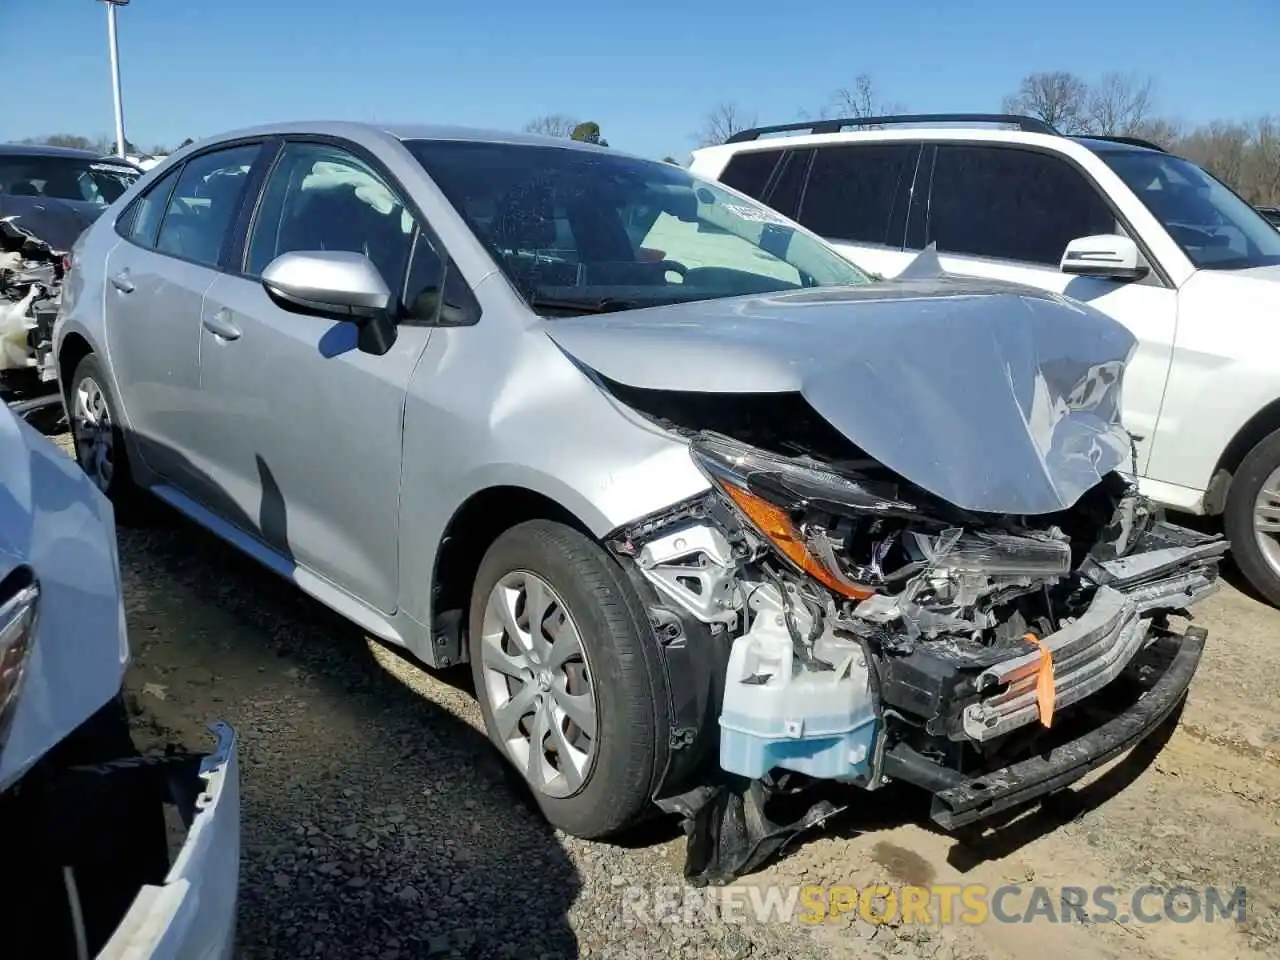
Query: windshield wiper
[584, 305]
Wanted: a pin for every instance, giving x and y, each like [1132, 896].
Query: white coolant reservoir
[779, 713]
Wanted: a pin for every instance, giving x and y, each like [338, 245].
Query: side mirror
[335, 284]
[1105, 255]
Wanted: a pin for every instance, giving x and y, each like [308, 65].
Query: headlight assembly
[768, 489]
[772, 492]
[19, 602]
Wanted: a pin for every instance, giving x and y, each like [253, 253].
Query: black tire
[1237, 518]
[626, 675]
[123, 493]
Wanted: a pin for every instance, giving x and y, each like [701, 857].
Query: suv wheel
[1252, 518]
[96, 432]
[560, 654]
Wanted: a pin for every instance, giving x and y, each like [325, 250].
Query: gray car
[710, 513]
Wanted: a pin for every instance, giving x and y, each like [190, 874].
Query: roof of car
[929, 127]
[406, 131]
[45, 150]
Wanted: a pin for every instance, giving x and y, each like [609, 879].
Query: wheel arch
[74, 347]
[1257, 428]
[471, 530]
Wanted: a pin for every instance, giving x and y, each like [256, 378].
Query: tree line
[103, 144]
[1245, 154]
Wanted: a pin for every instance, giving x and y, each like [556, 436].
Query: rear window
[86, 180]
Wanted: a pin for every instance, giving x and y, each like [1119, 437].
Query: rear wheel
[560, 654]
[96, 433]
[1252, 518]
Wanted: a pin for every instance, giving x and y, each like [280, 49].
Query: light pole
[115, 70]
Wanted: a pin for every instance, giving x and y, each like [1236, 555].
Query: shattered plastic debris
[30, 291]
[728, 833]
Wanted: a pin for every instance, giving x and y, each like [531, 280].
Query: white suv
[1147, 237]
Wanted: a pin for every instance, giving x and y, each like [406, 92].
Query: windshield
[65, 178]
[1214, 227]
[586, 230]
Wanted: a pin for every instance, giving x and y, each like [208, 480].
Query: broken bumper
[960, 800]
[192, 915]
[1097, 647]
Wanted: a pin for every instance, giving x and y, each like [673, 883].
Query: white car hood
[53, 520]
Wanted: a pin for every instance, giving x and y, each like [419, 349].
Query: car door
[156, 281]
[305, 430]
[1008, 213]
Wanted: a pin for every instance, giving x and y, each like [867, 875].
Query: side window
[1011, 204]
[424, 281]
[321, 197]
[788, 183]
[142, 222]
[204, 204]
[860, 192]
[750, 170]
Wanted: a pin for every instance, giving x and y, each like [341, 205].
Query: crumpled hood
[996, 398]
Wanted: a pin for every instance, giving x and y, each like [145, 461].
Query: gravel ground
[378, 823]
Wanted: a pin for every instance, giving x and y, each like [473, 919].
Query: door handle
[219, 324]
[122, 282]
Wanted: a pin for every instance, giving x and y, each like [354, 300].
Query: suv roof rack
[1131, 141]
[1023, 123]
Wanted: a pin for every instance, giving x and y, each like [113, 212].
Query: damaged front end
[921, 557]
[869, 631]
[31, 274]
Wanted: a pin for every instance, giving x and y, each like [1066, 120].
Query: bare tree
[1159, 130]
[860, 100]
[552, 125]
[1119, 104]
[722, 122]
[1059, 98]
[63, 140]
[1221, 148]
[1263, 175]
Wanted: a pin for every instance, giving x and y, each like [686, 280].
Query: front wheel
[1252, 518]
[566, 675]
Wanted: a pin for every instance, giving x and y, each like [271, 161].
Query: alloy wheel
[1266, 520]
[537, 682]
[94, 433]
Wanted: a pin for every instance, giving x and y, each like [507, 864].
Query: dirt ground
[377, 823]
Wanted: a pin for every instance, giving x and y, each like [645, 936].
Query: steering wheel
[672, 266]
[1196, 237]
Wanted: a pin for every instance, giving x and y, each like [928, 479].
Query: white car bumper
[192, 915]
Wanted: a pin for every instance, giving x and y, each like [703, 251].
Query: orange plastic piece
[1045, 690]
[774, 523]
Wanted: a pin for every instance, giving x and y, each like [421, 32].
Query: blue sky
[647, 72]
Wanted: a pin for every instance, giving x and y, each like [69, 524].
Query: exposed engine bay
[31, 273]
[879, 632]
